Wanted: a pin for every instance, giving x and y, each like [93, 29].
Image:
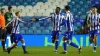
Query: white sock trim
[65, 51]
[95, 46]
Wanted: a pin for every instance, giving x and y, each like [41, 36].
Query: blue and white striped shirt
[15, 22]
[69, 21]
[56, 19]
[94, 21]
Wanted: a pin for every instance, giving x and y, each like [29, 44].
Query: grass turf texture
[48, 51]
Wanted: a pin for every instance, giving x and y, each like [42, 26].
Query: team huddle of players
[58, 20]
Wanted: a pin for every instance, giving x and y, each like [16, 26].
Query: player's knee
[16, 44]
[95, 37]
[22, 41]
[2, 39]
[65, 41]
[56, 39]
[91, 39]
[68, 41]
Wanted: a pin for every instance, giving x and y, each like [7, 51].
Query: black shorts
[9, 28]
[3, 34]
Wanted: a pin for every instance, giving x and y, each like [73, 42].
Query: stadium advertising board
[45, 40]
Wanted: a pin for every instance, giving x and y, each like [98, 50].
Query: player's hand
[0, 27]
[5, 28]
[83, 27]
[89, 25]
[33, 19]
[98, 23]
[57, 27]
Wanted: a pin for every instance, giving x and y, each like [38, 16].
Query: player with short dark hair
[89, 28]
[85, 26]
[68, 22]
[8, 18]
[56, 18]
[94, 22]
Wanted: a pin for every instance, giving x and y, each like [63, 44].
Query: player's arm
[10, 22]
[46, 18]
[89, 21]
[72, 19]
[24, 21]
[35, 19]
[0, 25]
[63, 23]
[99, 19]
[64, 20]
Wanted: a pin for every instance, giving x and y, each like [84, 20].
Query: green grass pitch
[48, 51]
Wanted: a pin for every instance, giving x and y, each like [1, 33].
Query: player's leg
[91, 41]
[65, 42]
[9, 29]
[15, 39]
[72, 43]
[95, 42]
[3, 44]
[56, 41]
[65, 45]
[53, 36]
[4, 35]
[13, 46]
[56, 44]
[11, 38]
[91, 36]
[23, 44]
